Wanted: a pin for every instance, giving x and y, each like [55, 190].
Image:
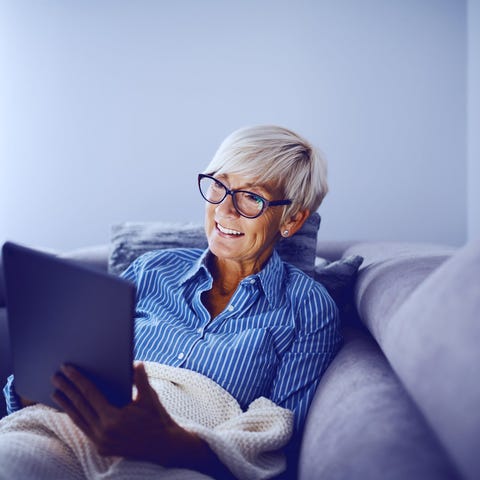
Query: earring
[285, 233]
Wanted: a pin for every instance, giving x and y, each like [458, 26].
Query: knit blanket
[248, 442]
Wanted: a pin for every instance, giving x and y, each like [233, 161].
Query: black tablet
[60, 311]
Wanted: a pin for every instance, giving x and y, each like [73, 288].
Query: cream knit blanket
[249, 443]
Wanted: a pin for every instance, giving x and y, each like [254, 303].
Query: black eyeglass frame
[266, 203]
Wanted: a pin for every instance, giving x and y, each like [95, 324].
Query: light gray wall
[473, 120]
[110, 108]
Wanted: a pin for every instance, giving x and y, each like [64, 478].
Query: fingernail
[66, 369]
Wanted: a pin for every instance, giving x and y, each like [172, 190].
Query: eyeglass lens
[246, 203]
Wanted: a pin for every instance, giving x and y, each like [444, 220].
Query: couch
[401, 400]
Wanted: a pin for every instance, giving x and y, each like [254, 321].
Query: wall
[109, 109]
[473, 120]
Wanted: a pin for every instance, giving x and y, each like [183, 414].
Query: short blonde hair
[278, 156]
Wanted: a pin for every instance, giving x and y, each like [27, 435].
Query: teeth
[227, 230]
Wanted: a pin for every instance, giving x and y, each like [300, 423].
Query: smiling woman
[259, 329]
[245, 219]
[258, 168]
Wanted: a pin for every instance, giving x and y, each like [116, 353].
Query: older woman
[235, 313]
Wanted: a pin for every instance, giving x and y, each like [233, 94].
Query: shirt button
[231, 308]
[180, 356]
[252, 281]
[199, 330]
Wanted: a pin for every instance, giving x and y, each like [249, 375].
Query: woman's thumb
[140, 378]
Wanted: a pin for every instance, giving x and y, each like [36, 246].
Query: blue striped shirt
[275, 338]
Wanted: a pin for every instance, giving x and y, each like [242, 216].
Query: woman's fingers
[140, 378]
[80, 394]
[137, 430]
[146, 393]
[87, 388]
[64, 403]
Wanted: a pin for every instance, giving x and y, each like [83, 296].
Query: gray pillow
[130, 240]
[338, 277]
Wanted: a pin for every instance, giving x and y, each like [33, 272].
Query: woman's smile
[224, 231]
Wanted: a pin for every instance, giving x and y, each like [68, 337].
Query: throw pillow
[130, 240]
[338, 277]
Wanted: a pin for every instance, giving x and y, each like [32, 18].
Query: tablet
[60, 311]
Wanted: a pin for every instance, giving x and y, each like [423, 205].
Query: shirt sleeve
[316, 342]
[12, 400]
[130, 273]
[134, 271]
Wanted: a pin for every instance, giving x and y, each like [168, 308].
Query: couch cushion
[432, 342]
[362, 424]
[130, 240]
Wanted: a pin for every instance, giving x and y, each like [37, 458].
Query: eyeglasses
[247, 204]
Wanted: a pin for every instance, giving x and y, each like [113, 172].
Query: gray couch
[401, 400]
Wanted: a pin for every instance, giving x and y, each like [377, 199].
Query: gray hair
[278, 156]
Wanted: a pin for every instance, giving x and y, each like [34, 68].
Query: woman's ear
[293, 224]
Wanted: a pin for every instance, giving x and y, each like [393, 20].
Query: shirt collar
[271, 276]
[199, 265]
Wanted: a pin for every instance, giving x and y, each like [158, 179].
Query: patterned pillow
[130, 240]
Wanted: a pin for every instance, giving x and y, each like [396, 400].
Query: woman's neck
[226, 277]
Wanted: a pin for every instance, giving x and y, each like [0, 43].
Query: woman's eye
[254, 199]
[217, 186]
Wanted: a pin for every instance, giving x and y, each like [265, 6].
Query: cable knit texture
[40, 442]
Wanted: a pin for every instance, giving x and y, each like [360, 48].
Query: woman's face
[233, 238]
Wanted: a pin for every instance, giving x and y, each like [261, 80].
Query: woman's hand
[25, 402]
[143, 429]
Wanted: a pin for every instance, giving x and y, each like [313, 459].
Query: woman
[235, 313]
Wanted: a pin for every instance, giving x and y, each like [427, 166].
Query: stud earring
[285, 233]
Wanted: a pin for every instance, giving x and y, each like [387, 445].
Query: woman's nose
[227, 207]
